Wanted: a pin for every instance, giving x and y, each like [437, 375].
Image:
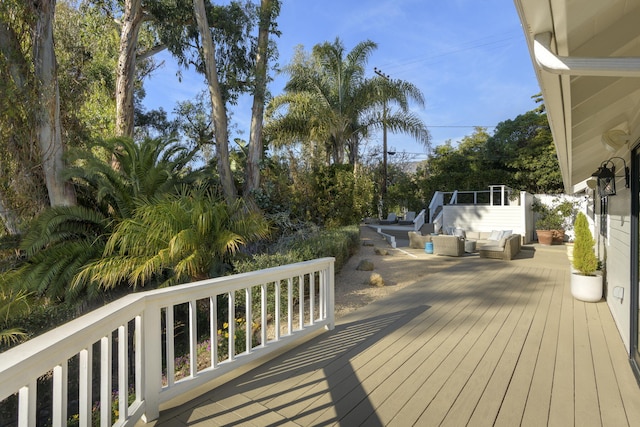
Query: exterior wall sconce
[614, 139]
[607, 177]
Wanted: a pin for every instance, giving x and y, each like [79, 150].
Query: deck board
[479, 343]
[561, 411]
[587, 411]
[539, 398]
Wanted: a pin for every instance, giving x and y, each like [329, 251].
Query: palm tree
[330, 106]
[145, 169]
[174, 239]
[58, 244]
[63, 240]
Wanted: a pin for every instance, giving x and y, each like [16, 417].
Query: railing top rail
[221, 285]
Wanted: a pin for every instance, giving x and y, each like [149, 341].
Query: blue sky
[468, 57]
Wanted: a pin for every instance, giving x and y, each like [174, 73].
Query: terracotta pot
[545, 237]
[558, 237]
[550, 237]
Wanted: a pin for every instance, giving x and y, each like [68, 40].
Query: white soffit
[587, 60]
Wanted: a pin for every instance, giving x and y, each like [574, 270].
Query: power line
[464, 46]
[461, 126]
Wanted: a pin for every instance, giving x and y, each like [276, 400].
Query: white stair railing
[436, 201]
[418, 222]
[137, 335]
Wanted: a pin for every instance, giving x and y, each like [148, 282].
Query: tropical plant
[63, 240]
[330, 106]
[60, 242]
[12, 303]
[584, 257]
[145, 169]
[557, 216]
[174, 239]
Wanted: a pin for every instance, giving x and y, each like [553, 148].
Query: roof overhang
[586, 57]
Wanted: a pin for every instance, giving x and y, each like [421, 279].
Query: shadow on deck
[480, 342]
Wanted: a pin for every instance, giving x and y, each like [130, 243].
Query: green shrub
[340, 243]
[584, 258]
[556, 216]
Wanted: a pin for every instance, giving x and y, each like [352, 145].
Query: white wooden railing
[137, 335]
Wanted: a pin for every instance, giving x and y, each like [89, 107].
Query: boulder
[365, 265]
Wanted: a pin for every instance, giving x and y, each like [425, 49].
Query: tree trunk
[252, 173]
[47, 120]
[219, 111]
[131, 22]
[8, 217]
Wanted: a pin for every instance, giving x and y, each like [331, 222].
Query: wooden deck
[482, 342]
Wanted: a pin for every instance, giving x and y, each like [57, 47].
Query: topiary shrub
[584, 258]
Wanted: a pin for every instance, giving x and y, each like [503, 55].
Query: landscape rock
[365, 265]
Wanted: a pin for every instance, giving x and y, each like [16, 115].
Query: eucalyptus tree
[257, 73]
[47, 111]
[15, 115]
[330, 105]
[27, 55]
[84, 108]
[217, 40]
[269, 10]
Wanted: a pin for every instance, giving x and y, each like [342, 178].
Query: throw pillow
[460, 233]
[495, 235]
[506, 233]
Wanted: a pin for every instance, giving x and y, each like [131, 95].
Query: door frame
[634, 356]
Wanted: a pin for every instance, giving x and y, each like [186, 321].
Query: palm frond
[12, 335]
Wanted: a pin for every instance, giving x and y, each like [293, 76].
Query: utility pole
[383, 188]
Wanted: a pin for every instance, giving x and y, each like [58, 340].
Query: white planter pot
[587, 288]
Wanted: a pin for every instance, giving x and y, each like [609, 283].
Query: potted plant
[586, 280]
[552, 220]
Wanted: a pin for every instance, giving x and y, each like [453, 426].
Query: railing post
[151, 369]
[86, 375]
[60, 385]
[105, 380]
[123, 372]
[329, 283]
[27, 405]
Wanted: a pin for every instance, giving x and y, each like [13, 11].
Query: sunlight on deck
[482, 342]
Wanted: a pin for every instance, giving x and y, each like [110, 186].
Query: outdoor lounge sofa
[502, 247]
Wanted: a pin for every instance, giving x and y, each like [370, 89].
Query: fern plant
[584, 258]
